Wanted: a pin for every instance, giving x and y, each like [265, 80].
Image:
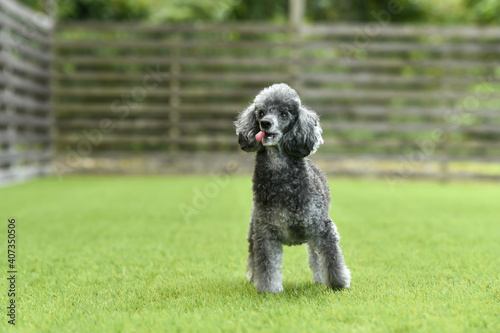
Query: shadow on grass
[240, 289]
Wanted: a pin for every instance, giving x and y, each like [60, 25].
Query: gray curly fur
[291, 199]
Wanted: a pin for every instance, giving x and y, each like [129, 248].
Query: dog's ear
[246, 127]
[304, 137]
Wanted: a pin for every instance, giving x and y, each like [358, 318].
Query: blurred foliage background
[400, 90]
[425, 11]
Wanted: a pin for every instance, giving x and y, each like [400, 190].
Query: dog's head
[277, 115]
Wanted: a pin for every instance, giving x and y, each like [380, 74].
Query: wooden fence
[25, 110]
[394, 100]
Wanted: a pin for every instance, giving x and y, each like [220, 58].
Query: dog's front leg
[267, 259]
[250, 264]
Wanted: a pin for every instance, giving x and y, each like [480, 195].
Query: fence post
[296, 13]
[10, 111]
[53, 132]
[175, 99]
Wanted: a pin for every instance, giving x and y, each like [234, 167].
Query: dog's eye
[261, 113]
[284, 115]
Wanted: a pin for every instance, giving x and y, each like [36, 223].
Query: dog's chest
[277, 189]
[290, 227]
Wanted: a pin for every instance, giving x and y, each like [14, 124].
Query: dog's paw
[273, 290]
[340, 280]
[274, 287]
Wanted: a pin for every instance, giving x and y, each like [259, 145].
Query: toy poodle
[291, 200]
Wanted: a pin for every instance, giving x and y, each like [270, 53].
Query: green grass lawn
[99, 254]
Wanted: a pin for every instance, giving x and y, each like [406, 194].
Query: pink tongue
[259, 136]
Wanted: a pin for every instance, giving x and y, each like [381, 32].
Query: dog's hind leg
[267, 259]
[334, 272]
[314, 262]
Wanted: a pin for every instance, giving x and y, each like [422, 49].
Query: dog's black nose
[265, 124]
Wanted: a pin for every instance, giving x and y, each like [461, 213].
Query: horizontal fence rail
[25, 109]
[412, 100]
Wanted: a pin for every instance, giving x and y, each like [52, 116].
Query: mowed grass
[116, 254]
